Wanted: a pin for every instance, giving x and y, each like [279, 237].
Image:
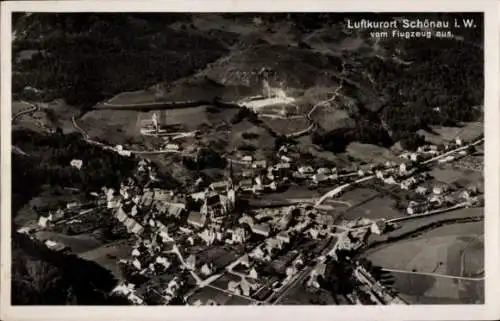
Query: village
[208, 247]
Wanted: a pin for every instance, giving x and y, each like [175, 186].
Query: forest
[50, 157]
[441, 83]
[88, 57]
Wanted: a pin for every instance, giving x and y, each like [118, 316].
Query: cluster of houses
[440, 197]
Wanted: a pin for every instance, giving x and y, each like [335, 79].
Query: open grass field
[262, 143]
[118, 127]
[443, 134]
[422, 225]
[374, 208]
[371, 153]
[108, 255]
[287, 126]
[451, 255]
[357, 196]
[18, 106]
[450, 175]
[423, 289]
[452, 250]
[133, 97]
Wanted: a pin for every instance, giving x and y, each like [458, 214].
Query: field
[417, 226]
[329, 118]
[373, 208]
[371, 153]
[118, 127]
[18, 106]
[261, 140]
[108, 255]
[358, 196]
[287, 126]
[444, 255]
[133, 97]
[451, 175]
[443, 135]
[423, 289]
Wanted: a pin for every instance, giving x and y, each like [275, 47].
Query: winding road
[32, 109]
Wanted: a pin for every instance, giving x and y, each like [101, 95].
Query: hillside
[374, 91]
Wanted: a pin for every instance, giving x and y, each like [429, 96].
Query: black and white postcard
[340, 160]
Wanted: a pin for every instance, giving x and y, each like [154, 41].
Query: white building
[76, 163]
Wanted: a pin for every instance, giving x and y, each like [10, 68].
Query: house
[361, 173]
[247, 173]
[198, 196]
[257, 253]
[247, 159]
[172, 147]
[197, 219]
[245, 219]
[319, 178]
[215, 206]
[137, 264]
[458, 141]
[247, 286]
[421, 190]
[239, 235]
[324, 170]
[76, 163]
[285, 159]
[261, 229]
[121, 215]
[404, 168]
[206, 269]
[284, 237]
[191, 262]
[283, 166]
[439, 189]
[176, 209]
[253, 274]
[55, 246]
[219, 187]
[163, 261]
[246, 185]
[245, 260]
[208, 236]
[259, 164]
[414, 157]
[115, 201]
[378, 227]
[390, 180]
[291, 271]
[305, 170]
[379, 174]
[137, 229]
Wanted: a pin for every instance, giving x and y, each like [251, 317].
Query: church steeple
[230, 174]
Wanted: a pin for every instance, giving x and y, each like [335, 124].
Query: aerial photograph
[247, 158]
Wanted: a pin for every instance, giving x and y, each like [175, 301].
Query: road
[33, 108]
[435, 275]
[312, 124]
